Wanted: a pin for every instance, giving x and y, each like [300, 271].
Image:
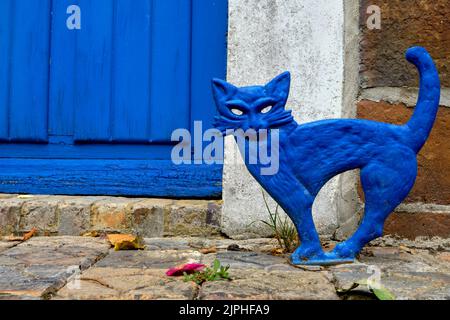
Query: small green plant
[380, 292]
[283, 229]
[216, 272]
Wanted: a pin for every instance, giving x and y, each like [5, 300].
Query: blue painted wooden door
[92, 110]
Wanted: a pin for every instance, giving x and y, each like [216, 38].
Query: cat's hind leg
[386, 184]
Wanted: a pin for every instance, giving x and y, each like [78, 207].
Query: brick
[412, 225]
[405, 23]
[432, 184]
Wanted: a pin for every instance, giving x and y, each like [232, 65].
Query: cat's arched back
[313, 153]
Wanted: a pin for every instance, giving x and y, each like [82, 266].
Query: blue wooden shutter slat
[28, 103]
[63, 84]
[94, 71]
[209, 57]
[5, 32]
[171, 58]
[131, 88]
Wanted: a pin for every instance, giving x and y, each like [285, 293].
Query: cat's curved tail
[427, 106]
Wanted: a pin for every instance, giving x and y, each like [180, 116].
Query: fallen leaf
[93, 234]
[125, 242]
[25, 237]
[383, 294]
[30, 234]
[277, 251]
[13, 238]
[25, 196]
[208, 250]
[406, 249]
[378, 290]
[189, 268]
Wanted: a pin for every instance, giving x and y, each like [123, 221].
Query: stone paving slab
[43, 268]
[38, 267]
[4, 245]
[256, 284]
[149, 259]
[77, 215]
[254, 260]
[410, 274]
[128, 284]
[183, 243]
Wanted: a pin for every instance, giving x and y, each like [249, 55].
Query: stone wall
[74, 216]
[306, 37]
[388, 86]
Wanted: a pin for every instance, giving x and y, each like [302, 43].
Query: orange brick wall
[406, 23]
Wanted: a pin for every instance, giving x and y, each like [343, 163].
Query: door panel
[93, 69]
[91, 111]
[133, 71]
[131, 78]
[170, 68]
[63, 72]
[5, 39]
[25, 69]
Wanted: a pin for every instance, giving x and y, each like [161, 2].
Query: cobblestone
[87, 268]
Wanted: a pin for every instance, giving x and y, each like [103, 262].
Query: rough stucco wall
[267, 37]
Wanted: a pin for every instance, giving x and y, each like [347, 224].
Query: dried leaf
[277, 251]
[208, 250]
[30, 234]
[25, 237]
[13, 238]
[406, 249]
[93, 234]
[125, 242]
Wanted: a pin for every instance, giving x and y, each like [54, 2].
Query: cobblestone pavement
[87, 268]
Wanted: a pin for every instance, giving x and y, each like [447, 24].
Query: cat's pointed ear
[280, 86]
[222, 89]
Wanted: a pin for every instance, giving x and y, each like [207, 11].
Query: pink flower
[188, 268]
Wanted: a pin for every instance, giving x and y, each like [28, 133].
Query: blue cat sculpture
[313, 153]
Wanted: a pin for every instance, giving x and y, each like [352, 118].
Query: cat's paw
[344, 250]
[305, 253]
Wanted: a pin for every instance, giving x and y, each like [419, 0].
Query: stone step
[77, 215]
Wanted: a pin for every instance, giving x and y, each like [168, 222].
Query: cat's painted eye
[237, 112]
[266, 109]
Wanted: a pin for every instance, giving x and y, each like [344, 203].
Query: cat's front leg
[297, 202]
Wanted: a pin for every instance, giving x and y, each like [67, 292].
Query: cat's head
[256, 107]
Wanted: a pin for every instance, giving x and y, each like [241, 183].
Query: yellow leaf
[208, 250]
[125, 242]
[93, 234]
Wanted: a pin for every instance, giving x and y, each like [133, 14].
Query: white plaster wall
[267, 37]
